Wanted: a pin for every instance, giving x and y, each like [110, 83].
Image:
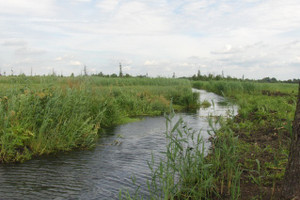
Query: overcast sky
[257, 38]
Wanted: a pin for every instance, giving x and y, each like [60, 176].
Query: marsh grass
[263, 125]
[249, 152]
[186, 172]
[42, 115]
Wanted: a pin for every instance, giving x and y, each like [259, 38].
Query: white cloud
[150, 62]
[65, 57]
[75, 63]
[28, 7]
[84, 1]
[59, 58]
[228, 49]
[107, 5]
[240, 37]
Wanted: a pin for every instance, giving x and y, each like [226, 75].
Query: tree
[291, 184]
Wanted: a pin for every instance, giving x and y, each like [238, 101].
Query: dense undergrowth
[42, 115]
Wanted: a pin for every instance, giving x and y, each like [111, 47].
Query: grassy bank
[263, 127]
[187, 172]
[248, 155]
[43, 115]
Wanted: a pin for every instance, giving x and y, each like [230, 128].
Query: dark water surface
[103, 171]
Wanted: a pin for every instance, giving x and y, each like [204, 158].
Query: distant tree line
[218, 77]
[100, 74]
[197, 76]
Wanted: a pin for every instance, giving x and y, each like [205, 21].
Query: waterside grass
[186, 172]
[48, 114]
[248, 152]
[264, 127]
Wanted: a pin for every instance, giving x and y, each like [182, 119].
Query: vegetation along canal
[101, 172]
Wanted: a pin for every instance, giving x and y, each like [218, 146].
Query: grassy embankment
[263, 127]
[249, 152]
[43, 115]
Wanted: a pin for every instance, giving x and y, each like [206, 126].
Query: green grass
[43, 115]
[249, 152]
[263, 125]
[187, 173]
[205, 104]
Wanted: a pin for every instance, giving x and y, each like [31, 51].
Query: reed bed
[249, 151]
[264, 128]
[43, 115]
[187, 172]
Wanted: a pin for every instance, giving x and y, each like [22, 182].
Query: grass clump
[205, 104]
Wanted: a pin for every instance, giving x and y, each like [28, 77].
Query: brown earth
[258, 141]
[274, 93]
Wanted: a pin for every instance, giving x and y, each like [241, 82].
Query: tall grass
[42, 115]
[187, 173]
[231, 88]
[263, 124]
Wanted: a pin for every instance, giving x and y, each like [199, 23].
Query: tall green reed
[41, 115]
[187, 172]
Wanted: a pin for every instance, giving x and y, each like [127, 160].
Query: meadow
[49, 114]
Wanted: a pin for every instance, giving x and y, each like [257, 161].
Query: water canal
[101, 173]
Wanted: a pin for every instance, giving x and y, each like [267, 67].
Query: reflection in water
[101, 172]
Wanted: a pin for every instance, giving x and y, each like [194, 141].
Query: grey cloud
[29, 51]
[194, 58]
[14, 43]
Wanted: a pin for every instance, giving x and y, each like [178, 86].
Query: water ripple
[103, 171]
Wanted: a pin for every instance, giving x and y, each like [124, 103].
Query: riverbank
[249, 151]
[44, 115]
[263, 127]
[122, 152]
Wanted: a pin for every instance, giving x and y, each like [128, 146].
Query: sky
[254, 38]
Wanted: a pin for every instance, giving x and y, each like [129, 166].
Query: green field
[47, 114]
